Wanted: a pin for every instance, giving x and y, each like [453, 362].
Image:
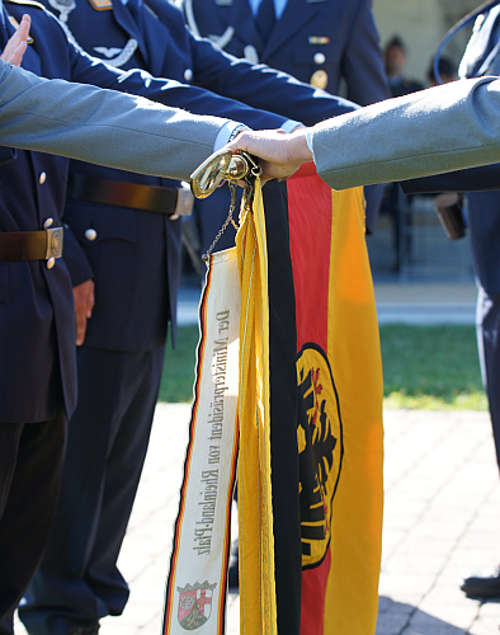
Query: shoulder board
[27, 3]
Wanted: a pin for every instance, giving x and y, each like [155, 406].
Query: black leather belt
[39, 245]
[150, 198]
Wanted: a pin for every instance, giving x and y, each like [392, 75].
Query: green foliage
[178, 372]
[428, 367]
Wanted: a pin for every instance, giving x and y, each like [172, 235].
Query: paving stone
[441, 520]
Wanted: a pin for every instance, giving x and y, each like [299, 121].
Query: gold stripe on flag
[354, 347]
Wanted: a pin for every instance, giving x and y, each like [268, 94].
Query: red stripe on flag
[310, 236]
[314, 581]
[310, 218]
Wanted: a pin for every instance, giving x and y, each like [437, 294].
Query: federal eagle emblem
[321, 450]
[195, 604]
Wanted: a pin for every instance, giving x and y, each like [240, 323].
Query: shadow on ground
[398, 618]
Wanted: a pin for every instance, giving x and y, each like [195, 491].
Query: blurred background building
[418, 248]
[422, 25]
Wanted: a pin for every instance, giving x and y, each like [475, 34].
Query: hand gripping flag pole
[230, 424]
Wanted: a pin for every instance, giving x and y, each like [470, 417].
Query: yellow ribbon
[256, 538]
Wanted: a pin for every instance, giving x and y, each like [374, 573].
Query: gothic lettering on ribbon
[209, 482]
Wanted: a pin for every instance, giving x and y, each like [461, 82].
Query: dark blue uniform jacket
[482, 57]
[338, 37]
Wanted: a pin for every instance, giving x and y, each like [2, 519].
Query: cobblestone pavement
[442, 520]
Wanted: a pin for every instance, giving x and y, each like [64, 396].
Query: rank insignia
[316, 40]
[15, 24]
[319, 79]
[101, 5]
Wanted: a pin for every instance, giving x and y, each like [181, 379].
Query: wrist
[299, 149]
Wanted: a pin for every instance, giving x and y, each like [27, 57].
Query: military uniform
[318, 41]
[482, 57]
[135, 260]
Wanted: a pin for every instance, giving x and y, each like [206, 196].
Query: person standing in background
[482, 57]
[395, 58]
[326, 43]
[394, 203]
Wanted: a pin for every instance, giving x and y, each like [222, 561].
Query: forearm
[438, 130]
[105, 127]
[263, 87]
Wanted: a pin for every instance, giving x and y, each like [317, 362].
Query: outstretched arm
[102, 126]
[442, 129]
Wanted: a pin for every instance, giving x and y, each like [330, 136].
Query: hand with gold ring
[16, 46]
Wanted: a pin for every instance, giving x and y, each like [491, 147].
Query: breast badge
[101, 5]
[321, 450]
[115, 56]
[319, 79]
[318, 40]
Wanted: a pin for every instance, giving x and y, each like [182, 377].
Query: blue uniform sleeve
[88, 70]
[362, 64]
[261, 86]
[471, 180]
[255, 84]
[6, 155]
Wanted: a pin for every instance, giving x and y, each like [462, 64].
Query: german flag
[339, 431]
[326, 410]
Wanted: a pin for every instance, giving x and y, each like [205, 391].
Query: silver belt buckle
[55, 236]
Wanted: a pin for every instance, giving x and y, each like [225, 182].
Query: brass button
[48, 223]
[188, 74]
[319, 58]
[319, 79]
[42, 178]
[90, 234]
[50, 263]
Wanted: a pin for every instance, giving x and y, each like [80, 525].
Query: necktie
[265, 19]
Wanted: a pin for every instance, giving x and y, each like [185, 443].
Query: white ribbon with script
[196, 588]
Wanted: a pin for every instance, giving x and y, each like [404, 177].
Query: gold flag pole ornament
[231, 403]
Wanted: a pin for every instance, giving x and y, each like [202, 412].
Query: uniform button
[90, 234]
[48, 223]
[42, 178]
[319, 58]
[50, 263]
[188, 74]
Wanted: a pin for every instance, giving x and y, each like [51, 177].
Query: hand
[16, 46]
[83, 295]
[281, 154]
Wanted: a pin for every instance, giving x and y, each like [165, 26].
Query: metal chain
[253, 171]
[229, 220]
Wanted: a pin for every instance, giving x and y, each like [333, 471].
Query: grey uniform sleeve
[101, 126]
[441, 129]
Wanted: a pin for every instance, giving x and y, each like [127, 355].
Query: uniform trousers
[78, 581]
[31, 458]
[488, 342]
